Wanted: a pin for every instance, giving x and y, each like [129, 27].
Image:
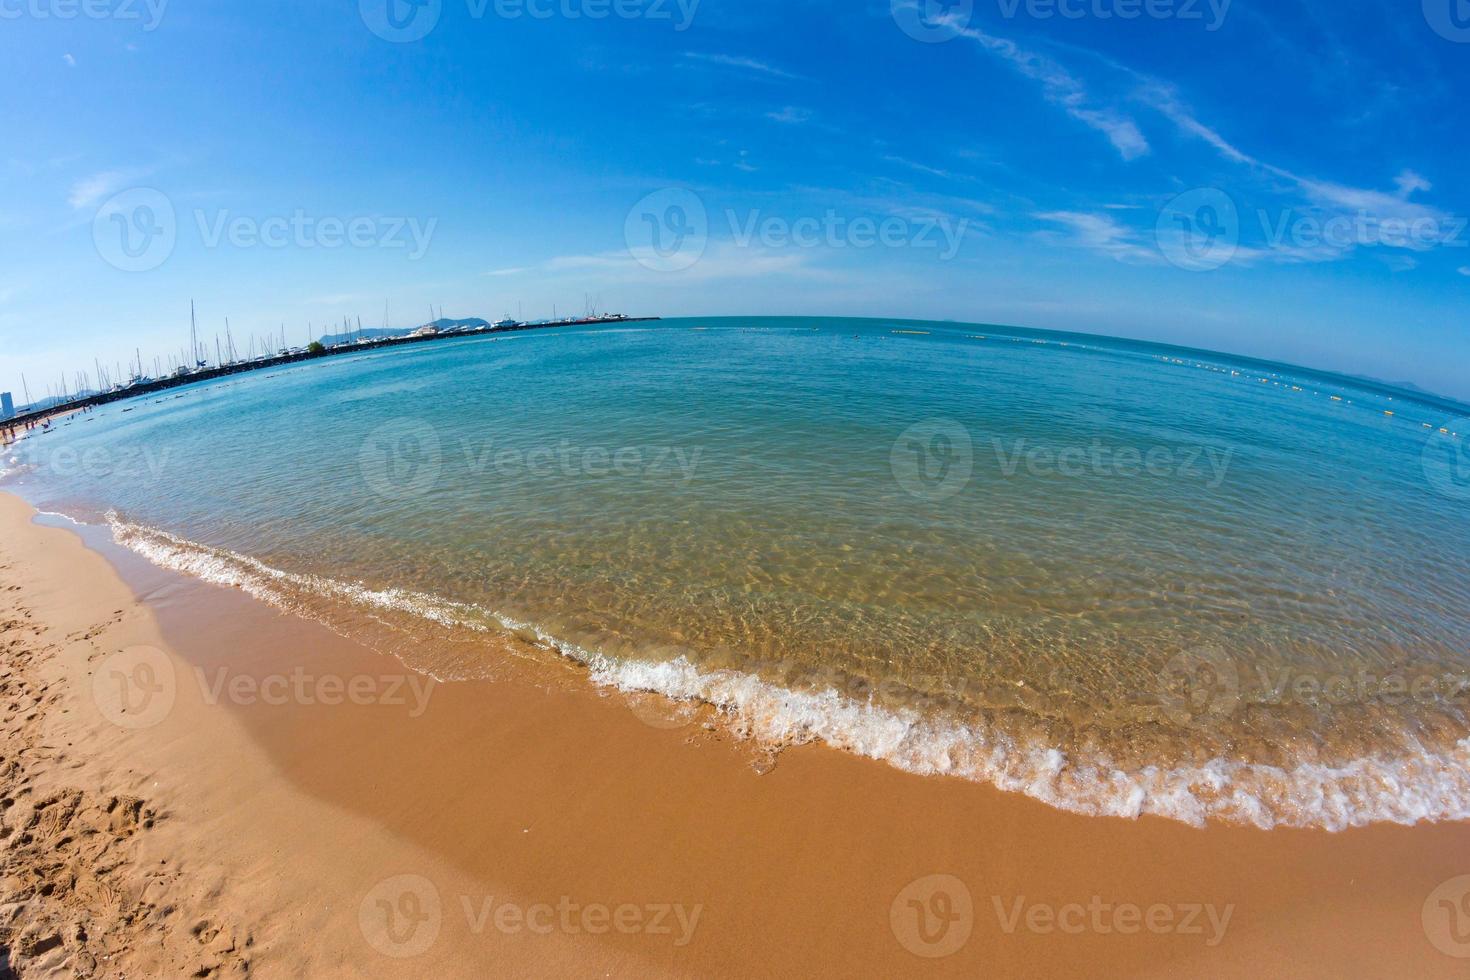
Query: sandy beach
[197, 784]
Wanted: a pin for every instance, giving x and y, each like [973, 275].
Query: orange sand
[307, 807]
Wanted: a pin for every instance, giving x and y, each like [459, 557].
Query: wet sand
[308, 807]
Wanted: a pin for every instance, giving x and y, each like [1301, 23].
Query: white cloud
[90, 190]
[1378, 217]
[70, 61]
[791, 115]
[1464, 270]
[1061, 88]
[922, 168]
[1408, 182]
[735, 61]
[1100, 233]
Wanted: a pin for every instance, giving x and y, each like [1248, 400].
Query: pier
[295, 357]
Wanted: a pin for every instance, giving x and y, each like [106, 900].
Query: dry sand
[196, 784]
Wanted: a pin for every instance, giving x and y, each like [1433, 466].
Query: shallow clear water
[1118, 577]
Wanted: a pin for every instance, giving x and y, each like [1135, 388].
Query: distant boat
[506, 324]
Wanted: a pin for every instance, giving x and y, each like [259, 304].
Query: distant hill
[375, 332]
[471, 323]
[1408, 387]
[42, 404]
[370, 333]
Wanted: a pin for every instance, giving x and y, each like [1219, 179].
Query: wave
[1418, 783]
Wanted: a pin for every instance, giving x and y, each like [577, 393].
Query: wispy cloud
[512, 271]
[1062, 88]
[736, 61]
[790, 115]
[1099, 233]
[1464, 270]
[90, 190]
[71, 62]
[1370, 208]
[720, 261]
[922, 168]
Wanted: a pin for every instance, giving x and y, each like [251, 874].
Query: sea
[1121, 578]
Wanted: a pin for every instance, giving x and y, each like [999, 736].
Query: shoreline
[288, 808]
[1197, 787]
[281, 360]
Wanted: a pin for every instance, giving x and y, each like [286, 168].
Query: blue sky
[1279, 178]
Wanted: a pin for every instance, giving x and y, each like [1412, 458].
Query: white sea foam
[11, 466]
[1418, 784]
[64, 517]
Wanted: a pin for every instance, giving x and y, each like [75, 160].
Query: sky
[1276, 178]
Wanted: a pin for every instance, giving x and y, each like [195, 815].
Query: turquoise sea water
[1119, 577]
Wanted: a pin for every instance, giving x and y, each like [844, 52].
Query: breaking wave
[1417, 783]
